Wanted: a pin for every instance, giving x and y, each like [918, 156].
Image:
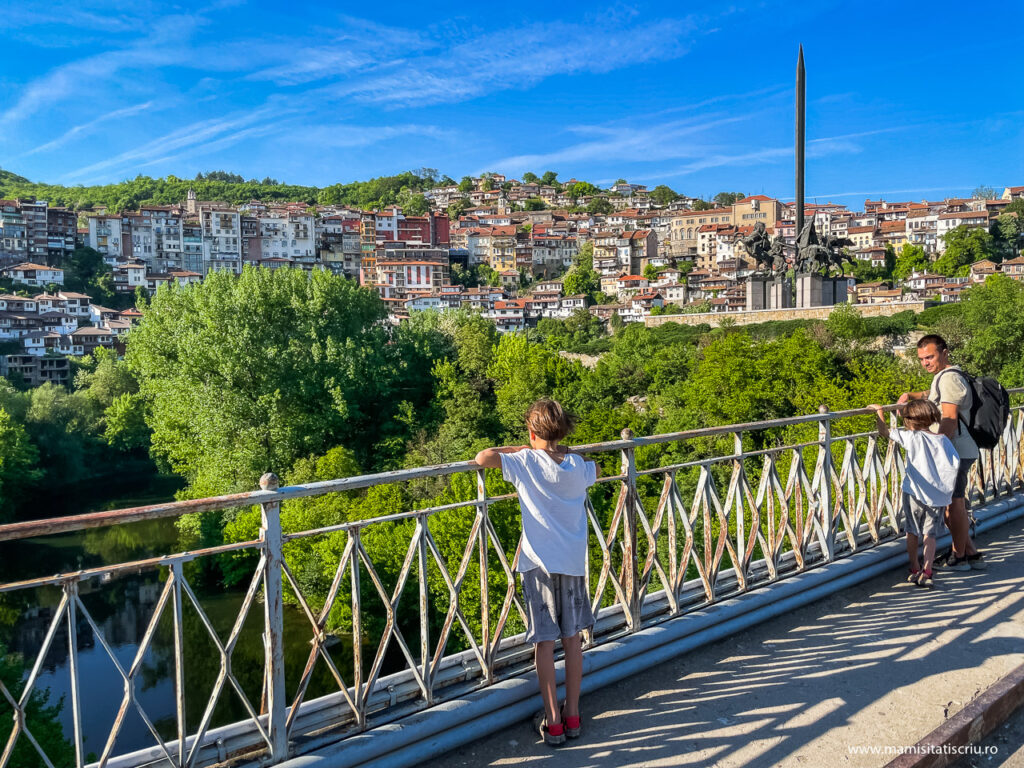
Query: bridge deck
[882, 663]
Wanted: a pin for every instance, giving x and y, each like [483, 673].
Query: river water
[122, 609]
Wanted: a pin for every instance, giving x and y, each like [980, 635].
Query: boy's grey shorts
[923, 520]
[556, 605]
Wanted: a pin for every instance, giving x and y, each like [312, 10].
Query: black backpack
[990, 409]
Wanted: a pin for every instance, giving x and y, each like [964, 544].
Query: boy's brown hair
[548, 420]
[921, 414]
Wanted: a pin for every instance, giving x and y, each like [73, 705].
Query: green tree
[534, 204]
[600, 206]
[964, 246]
[583, 189]
[125, 424]
[459, 207]
[530, 178]
[573, 334]
[725, 199]
[663, 195]
[86, 272]
[549, 178]
[486, 184]
[702, 205]
[912, 258]
[524, 372]
[993, 319]
[245, 374]
[582, 278]
[466, 185]
[1008, 235]
[18, 468]
[651, 272]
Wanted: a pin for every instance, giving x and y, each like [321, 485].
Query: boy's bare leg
[544, 658]
[960, 528]
[915, 565]
[573, 674]
[929, 552]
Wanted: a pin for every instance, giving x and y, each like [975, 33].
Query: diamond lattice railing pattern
[698, 525]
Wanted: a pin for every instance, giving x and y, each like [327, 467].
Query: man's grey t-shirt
[949, 386]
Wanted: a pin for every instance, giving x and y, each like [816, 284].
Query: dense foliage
[53, 438]
[401, 189]
[250, 373]
[299, 374]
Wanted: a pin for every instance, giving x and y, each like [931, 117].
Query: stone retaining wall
[714, 319]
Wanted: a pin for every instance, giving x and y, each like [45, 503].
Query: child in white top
[552, 482]
[932, 465]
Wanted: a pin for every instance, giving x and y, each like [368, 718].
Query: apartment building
[105, 237]
[222, 235]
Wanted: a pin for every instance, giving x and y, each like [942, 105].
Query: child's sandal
[573, 725]
[552, 735]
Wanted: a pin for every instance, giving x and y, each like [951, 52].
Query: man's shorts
[922, 519]
[960, 489]
[556, 605]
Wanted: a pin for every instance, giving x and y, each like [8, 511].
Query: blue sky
[904, 100]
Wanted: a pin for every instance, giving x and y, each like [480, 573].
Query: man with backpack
[958, 399]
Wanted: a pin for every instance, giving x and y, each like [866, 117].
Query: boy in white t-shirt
[932, 466]
[552, 482]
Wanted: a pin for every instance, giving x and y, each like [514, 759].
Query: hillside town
[499, 246]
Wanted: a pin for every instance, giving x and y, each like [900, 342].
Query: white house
[37, 275]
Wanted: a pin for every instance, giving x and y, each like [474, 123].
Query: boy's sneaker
[552, 735]
[924, 579]
[977, 562]
[955, 563]
[573, 726]
[913, 576]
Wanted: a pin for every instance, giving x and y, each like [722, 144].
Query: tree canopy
[247, 374]
[725, 199]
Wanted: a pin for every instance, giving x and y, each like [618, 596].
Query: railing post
[630, 577]
[741, 527]
[485, 608]
[179, 661]
[421, 554]
[825, 490]
[273, 638]
[71, 591]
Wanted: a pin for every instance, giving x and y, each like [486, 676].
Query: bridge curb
[970, 725]
[434, 731]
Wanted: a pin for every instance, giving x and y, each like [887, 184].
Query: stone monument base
[780, 293]
[757, 292]
[813, 290]
[765, 292]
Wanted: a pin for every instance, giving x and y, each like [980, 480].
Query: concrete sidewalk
[879, 664]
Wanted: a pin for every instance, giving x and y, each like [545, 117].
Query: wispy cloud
[822, 147]
[516, 58]
[664, 141]
[161, 48]
[913, 191]
[225, 130]
[86, 128]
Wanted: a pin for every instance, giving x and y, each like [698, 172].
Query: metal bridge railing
[702, 524]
